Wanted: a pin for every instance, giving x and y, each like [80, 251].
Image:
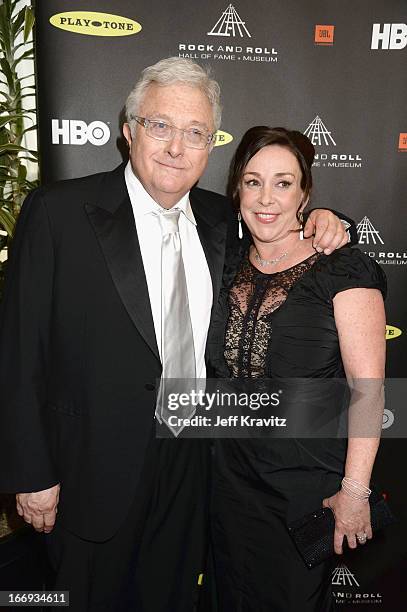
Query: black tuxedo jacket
[78, 354]
[78, 358]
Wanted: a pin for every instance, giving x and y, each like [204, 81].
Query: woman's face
[270, 193]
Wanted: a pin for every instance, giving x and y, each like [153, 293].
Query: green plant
[15, 119]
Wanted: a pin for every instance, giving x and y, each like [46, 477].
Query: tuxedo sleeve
[25, 461]
[353, 234]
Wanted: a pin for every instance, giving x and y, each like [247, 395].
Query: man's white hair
[170, 71]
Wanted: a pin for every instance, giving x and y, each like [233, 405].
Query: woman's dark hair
[260, 136]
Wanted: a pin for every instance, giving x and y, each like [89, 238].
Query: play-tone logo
[222, 138]
[95, 24]
[324, 34]
[389, 36]
[367, 232]
[403, 142]
[77, 132]
[392, 332]
[317, 131]
[342, 576]
[229, 24]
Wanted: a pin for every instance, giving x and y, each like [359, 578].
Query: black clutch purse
[313, 534]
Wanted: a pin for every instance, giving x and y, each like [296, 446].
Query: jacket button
[149, 387]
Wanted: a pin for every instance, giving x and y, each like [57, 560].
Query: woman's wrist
[355, 489]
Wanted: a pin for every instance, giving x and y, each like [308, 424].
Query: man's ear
[127, 133]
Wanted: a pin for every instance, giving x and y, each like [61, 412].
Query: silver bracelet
[355, 489]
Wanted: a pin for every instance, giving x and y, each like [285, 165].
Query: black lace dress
[277, 325]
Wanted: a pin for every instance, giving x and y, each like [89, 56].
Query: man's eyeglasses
[194, 138]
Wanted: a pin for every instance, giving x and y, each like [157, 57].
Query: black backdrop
[321, 67]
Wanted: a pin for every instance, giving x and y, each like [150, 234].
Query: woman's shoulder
[349, 268]
[350, 260]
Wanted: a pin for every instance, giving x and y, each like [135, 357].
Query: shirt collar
[144, 204]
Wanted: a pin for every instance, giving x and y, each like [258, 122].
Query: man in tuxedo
[87, 322]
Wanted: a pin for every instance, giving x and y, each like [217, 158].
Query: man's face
[168, 170]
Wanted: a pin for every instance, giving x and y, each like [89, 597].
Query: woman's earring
[239, 218]
[301, 220]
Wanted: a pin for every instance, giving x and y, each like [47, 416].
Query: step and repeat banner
[336, 71]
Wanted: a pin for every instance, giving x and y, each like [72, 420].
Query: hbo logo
[76, 132]
[392, 36]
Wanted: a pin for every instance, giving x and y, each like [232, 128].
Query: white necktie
[177, 342]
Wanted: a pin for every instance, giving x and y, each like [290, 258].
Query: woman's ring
[361, 538]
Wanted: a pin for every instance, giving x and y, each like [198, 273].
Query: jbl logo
[324, 34]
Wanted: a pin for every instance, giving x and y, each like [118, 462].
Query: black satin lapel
[117, 236]
[213, 240]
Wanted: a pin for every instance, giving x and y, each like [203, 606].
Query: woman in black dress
[287, 311]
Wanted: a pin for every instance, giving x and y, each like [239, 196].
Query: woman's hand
[352, 519]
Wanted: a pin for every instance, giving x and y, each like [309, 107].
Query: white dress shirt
[198, 278]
